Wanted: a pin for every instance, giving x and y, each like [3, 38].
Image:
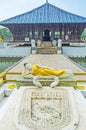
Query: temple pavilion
[45, 22]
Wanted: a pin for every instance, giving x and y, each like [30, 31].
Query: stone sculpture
[37, 71]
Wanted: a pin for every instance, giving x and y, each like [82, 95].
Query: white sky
[11, 8]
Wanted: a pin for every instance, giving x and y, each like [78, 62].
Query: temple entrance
[46, 35]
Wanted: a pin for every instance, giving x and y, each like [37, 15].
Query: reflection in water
[6, 65]
[82, 63]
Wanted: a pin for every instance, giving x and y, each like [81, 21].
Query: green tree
[83, 36]
[6, 34]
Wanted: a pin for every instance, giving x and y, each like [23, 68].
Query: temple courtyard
[62, 107]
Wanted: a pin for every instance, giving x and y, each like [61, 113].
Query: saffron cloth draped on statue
[46, 71]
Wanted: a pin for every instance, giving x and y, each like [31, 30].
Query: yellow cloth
[1, 39]
[46, 71]
[81, 87]
[12, 86]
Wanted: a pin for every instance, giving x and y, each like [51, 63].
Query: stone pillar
[33, 47]
[59, 46]
[40, 32]
[38, 43]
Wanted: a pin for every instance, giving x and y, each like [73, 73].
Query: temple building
[45, 22]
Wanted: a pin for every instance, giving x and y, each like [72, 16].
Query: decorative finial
[46, 1]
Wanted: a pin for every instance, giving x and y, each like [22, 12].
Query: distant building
[44, 22]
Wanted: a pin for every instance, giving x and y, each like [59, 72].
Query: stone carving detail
[43, 110]
[38, 43]
[46, 108]
[54, 43]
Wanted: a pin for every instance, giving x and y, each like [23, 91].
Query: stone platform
[46, 109]
[47, 80]
[32, 108]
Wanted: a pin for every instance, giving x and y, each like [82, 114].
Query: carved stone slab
[46, 81]
[46, 109]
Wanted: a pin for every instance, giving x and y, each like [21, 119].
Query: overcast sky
[11, 8]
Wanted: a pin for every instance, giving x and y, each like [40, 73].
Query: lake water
[5, 65]
[74, 51]
[82, 63]
[25, 51]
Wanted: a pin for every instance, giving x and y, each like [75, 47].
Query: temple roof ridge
[46, 13]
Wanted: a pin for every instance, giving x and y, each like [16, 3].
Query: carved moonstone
[47, 109]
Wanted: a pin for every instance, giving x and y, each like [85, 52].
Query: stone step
[46, 50]
[46, 44]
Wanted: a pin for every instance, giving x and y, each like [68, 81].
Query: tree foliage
[5, 34]
[84, 33]
[83, 36]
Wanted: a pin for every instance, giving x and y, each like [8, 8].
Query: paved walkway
[55, 61]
